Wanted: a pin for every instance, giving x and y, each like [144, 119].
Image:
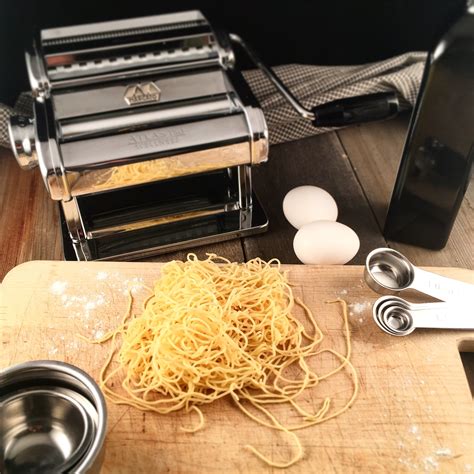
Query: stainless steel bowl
[51, 426]
[53, 419]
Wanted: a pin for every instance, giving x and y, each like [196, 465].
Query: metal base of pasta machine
[176, 236]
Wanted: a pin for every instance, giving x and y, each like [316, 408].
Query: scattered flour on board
[83, 305]
[115, 281]
[58, 287]
[359, 308]
[87, 307]
[415, 430]
[430, 463]
[53, 351]
[133, 285]
[444, 452]
[426, 462]
[411, 465]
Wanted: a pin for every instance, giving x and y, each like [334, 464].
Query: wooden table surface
[356, 165]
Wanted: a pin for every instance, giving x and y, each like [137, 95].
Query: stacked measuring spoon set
[388, 271]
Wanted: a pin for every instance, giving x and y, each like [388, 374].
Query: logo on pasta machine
[142, 93]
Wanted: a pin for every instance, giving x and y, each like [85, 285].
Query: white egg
[325, 242]
[306, 204]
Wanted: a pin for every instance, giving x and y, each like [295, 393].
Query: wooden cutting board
[414, 411]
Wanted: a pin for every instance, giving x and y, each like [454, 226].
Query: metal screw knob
[22, 139]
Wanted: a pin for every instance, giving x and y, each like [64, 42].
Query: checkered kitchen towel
[313, 85]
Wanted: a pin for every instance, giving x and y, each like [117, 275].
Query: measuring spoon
[385, 303]
[387, 271]
[400, 321]
[398, 317]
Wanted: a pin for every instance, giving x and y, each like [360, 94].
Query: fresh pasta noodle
[212, 329]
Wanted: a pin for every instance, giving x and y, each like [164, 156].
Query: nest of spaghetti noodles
[212, 328]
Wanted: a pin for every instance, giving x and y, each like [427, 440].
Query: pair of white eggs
[320, 239]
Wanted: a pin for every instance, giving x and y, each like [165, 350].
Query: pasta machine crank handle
[351, 110]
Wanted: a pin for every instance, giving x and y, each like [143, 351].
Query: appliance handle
[273, 78]
[348, 111]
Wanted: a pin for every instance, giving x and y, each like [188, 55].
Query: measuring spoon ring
[387, 271]
[385, 303]
[401, 321]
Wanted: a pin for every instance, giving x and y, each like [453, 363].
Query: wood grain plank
[318, 161]
[375, 150]
[29, 219]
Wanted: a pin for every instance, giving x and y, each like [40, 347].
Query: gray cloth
[313, 85]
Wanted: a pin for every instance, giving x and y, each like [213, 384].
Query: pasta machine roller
[145, 132]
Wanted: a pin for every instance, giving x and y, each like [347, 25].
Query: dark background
[303, 31]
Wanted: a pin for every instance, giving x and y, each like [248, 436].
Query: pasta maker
[146, 133]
